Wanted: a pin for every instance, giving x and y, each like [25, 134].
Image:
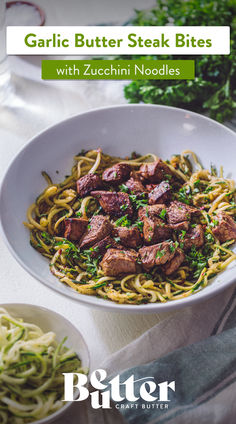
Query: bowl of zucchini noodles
[37, 345]
[126, 208]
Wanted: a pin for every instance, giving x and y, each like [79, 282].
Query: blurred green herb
[213, 91]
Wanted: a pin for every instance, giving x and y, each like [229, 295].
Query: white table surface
[36, 105]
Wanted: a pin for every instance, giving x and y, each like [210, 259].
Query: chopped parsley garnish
[91, 262]
[196, 184]
[185, 195]
[79, 214]
[124, 207]
[160, 253]
[162, 214]
[35, 246]
[139, 225]
[47, 238]
[183, 232]
[172, 248]
[123, 222]
[197, 261]
[99, 285]
[79, 282]
[214, 223]
[138, 201]
[209, 237]
[71, 252]
[123, 188]
[208, 189]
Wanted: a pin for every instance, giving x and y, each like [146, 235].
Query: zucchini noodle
[31, 367]
[194, 185]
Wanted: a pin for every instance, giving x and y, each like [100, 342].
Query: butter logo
[130, 390]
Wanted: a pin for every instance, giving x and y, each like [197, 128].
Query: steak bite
[135, 184]
[113, 203]
[88, 183]
[99, 227]
[173, 264]
[116, 262]
[150, 211]
[157, 254]
[160, 194]
[180, 226]
[75, 228]
[155, 230]
[117, 173]
[179, 212]
[194, 237]
[225, 228]
[155, 172]
[101, 246]
[129, 237]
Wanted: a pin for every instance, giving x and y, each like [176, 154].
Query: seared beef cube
[99, 227]
[157, 254]
[155, 172]
[194, 237]
[134, 184]
[173, 264]
[150, 211]
[226, 227]
[113, 203]
[179, 212]
[117, 173]
[129, 237]
[116, 262]
[180, 226]
[160, 194]
[88, 183]
[103, 245]
[155, 230]
[75, 228]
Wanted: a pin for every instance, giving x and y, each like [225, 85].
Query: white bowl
[49, 320]
[117, 130]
